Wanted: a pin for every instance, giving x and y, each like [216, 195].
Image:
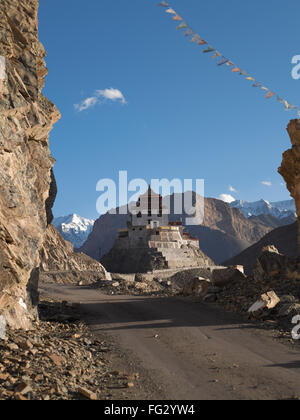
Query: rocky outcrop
[26, 118]
[283, 238]
[290, 167]
[60, 264]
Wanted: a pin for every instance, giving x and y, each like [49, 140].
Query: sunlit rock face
[290, 167]
[26, 182]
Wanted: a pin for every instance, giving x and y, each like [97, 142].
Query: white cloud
[232, 189]
[86, 104]
[112, 94]
[267, 183]
[107, 94]
[227, 198]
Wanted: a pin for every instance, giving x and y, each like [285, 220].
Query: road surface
[189, 350]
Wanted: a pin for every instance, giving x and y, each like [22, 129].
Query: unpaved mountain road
[187, 350]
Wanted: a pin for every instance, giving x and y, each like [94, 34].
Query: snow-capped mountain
[279, 209]
[74, 228]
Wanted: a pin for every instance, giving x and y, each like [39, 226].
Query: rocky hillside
[26, 118]
[224, 233]
[283, 238]
[60, 264]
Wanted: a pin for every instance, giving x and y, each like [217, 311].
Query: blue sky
[184, 116]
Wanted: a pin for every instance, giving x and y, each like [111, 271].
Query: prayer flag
[269, 95]
[177, 17]
[171, 11]
[222, 61]
[182, 25]
[209, 49]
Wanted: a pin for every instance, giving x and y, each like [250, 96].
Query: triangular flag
[257, 84]
[269, 95]
[222, 61]
[195, 38]
[202, 42]
[209, 49]
[182, 25]
[177, 17]
[236, 70]
[250, 78]
[189, 32]
[287, 105]
[171, 11]
[164, 4]
[230, 63]
[279, 99]
[216, 54]
[243, 73]
[264, 88]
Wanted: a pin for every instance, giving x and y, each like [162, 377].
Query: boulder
[196, 287]
[267, 300]
[225, 277]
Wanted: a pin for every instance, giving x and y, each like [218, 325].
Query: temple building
[151, 242]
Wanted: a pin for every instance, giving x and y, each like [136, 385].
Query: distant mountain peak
[74, 228]
[279, 209]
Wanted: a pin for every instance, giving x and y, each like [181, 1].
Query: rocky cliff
[60, 264]
[290, 167]
[27, 186]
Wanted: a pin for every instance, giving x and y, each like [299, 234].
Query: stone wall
[26, 118]
[290, 167]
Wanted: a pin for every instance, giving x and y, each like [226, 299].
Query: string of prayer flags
[197, 39]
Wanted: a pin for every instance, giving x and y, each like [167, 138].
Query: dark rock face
[285, 239]
[26, 118]
[51, 199]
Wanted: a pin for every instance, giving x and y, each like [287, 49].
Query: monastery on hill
[150, 242]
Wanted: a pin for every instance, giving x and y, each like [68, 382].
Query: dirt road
[188, 350]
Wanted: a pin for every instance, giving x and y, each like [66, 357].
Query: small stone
[23, 388]
[20, 397]
[13, 347]
[130, 385]
[87, 393]
[57, 360]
